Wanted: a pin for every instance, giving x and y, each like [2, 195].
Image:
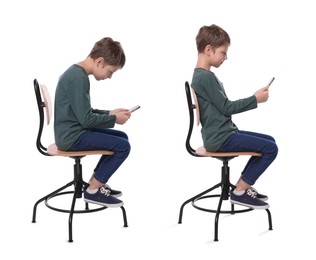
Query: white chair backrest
[197, 109]
[47, 102]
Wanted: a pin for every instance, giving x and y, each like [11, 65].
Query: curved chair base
[74, 211]
[86, 210]
[223, 196]
[77, 193]
[232, 211]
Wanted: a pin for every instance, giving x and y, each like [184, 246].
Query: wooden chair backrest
[197, 109]
[47, 102]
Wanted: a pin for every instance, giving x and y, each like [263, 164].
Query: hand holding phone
[271, 81]
[134, 108]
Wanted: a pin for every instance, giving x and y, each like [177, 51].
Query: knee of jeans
[127, 148]
[275, 150]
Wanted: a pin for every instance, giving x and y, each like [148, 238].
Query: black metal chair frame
[79, 184]
[224, 184]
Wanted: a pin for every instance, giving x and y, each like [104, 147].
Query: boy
[77, 126]
[219, 133]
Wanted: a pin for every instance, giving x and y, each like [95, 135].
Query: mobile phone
[134, 108]
[271, 81]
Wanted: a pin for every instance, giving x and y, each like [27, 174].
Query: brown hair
[111, 51]
[211, 35]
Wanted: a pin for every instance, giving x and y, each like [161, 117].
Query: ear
[209, 49]
[99, 61]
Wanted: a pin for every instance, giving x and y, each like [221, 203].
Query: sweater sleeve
[98, 111]
[212, 89]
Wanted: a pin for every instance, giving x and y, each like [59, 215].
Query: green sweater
[216, 109]
[73, 112]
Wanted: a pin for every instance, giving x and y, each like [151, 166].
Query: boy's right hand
[122, 115]
[262, 95]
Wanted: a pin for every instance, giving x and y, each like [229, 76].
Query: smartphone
[134, 108]
[271, 81]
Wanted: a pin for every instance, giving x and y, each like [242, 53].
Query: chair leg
[124, 216]
[224, 194]
[77, 191]
[48, 196]
[195, 197]
[269, 219]
[222, 197]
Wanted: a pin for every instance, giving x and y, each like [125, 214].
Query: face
[218, 56]
[102, 70]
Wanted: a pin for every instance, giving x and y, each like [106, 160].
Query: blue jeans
[244, 141]
[104, 139]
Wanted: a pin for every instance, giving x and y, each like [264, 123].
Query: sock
[240, 192]
[92, 191]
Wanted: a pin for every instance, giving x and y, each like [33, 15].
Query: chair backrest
[197, 109]
[47, 103]
[43, 102]
[191, 106]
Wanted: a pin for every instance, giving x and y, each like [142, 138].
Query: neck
[86, 65]
[203, 64]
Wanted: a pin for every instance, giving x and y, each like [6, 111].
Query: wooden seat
[224, 185]
[53, 150]
[202, 152]
[44, 104]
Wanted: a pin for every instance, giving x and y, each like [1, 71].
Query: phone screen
[134, 108]
[271, 81]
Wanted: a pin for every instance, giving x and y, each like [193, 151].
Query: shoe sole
[263, 199]
[249, 206]
[104, 204]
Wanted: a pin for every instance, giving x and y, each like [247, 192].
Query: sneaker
[102, 197]
[114, 193]
[258, 195]
[248, 199]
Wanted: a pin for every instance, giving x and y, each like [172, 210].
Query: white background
[41, 39]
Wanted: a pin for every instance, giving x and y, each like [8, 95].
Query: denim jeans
[244, 141]
[104, 139]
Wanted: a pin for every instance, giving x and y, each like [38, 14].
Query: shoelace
[106, 186]
[252, 193]
[254, 190]
[105, 191]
